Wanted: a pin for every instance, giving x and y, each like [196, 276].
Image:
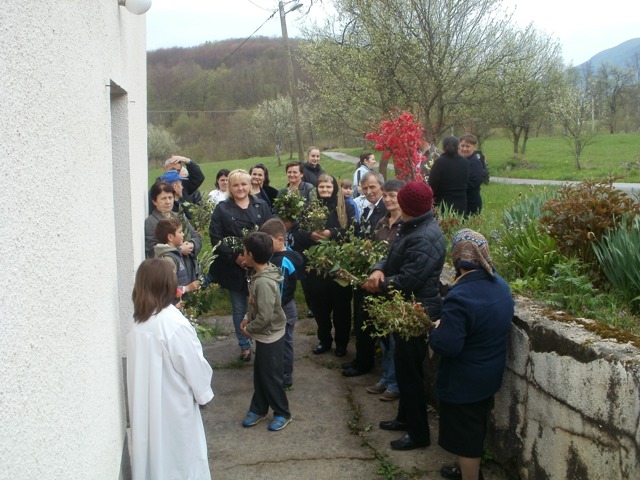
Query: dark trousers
[412, 408]
[267, 380]
[365, 343]
[331, 300]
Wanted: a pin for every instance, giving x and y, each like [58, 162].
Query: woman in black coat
[241, 211]
[448, 177]
[328, 298]
[413, 267]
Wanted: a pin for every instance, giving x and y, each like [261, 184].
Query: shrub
[582, 213]
[570, 288]
[618, 254]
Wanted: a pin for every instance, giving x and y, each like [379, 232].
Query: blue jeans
[388, 365]
[238, 311]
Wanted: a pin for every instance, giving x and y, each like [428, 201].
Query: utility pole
[293, 88]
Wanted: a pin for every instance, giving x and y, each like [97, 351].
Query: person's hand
[179, 159]
[241, 261]
[193, 286]
[316, 237]
[243, 324]
[372, 284]
[325, 233]
[186, 248]
[436, 324]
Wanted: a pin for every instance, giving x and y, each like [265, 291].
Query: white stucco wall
[71, 219]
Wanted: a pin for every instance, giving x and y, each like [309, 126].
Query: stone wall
[569, 406]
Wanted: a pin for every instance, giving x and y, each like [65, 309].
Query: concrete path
[334, 434]
[629, 188]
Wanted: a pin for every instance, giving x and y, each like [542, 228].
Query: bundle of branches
[393, 313]
[200, 214]
[348, 261]
[314, 217]
[236, 244]
[289, 205]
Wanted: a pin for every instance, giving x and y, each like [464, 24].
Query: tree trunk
[516, 141]
[523, 149]
[382, 169]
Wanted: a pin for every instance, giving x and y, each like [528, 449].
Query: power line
[206, 75]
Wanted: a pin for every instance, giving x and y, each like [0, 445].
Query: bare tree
[612, 82]
[524, 90]
[427, 57]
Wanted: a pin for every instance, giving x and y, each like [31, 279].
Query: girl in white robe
[168, 379]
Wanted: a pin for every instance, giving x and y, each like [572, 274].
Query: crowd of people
[261, 275]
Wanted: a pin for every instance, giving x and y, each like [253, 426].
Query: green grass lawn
[550, 158]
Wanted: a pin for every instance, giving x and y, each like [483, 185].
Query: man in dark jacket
[192, 177]
[371, 185]
[413, 267]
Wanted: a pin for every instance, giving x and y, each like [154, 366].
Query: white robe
[167, 379]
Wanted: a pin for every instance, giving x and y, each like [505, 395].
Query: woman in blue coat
[471, 338]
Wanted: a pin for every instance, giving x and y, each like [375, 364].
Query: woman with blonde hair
[234, 217]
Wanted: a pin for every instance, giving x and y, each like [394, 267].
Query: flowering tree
[399, 138]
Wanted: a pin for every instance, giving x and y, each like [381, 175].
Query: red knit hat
[415, 198]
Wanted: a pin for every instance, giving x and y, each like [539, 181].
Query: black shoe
[321, 348]
[348, 365]
[394, 426]
[341, 351]
[310, 314]
[407, 443]
[453, 473]
[353, 372]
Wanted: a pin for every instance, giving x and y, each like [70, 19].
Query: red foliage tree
[399, 137]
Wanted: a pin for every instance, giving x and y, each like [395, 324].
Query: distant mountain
[618, 56]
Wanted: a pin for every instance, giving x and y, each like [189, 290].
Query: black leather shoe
[310, 314]
[353, 372]
[341, 351]
[452, 472]
[407, 443]
[348, 365]
[321, 348]
[394, 426]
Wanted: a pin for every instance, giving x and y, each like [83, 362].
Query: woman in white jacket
[168, 379]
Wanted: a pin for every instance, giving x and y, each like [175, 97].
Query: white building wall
[71, 220]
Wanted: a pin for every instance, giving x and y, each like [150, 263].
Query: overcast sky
[583, 27]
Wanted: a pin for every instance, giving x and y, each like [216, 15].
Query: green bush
[618, 253]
